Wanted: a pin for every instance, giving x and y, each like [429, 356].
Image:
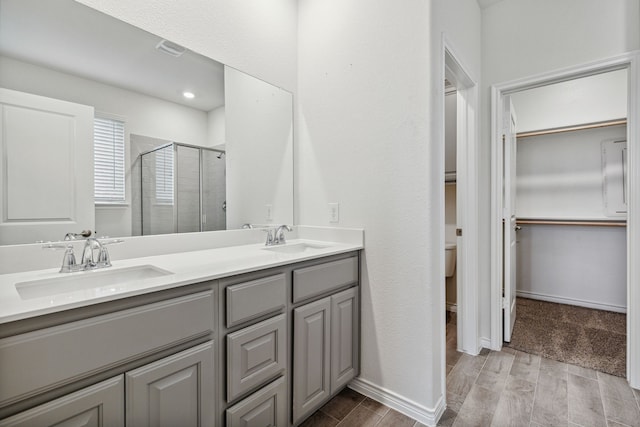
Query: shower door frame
[175, 146]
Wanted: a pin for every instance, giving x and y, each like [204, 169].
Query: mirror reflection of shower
[182, 189]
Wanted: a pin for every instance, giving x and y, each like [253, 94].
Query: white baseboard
[452, 308]
[405, 406]
[485, 343]
[571, 301]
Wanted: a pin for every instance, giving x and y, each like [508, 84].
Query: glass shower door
[158, 191]
[188, 185]
[214, 216]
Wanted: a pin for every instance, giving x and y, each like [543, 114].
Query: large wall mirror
[202, 146]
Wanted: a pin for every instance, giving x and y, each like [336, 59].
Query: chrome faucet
[278, 238]
[275, 236]
[89, 258]
[269, 232]
[94, 255]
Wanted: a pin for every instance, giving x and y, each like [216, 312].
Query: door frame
[467, 253]
[631, 62]
[509, 225]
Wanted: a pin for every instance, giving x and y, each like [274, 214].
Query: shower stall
[183, 189]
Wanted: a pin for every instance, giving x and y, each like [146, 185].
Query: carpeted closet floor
[581, 336]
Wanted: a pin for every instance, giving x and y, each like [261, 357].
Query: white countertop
[185, 268]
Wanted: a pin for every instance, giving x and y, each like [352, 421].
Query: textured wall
[368, 138]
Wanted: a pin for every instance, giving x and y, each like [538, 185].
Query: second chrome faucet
[276, 236]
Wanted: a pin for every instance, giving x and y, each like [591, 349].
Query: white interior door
[46, 168]
[509, 218]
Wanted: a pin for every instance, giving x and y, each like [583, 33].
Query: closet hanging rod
[569, 222]
[595, 125]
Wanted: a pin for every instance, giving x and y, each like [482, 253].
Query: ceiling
[75, 39]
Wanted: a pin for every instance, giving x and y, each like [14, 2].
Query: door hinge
[505, 303]
[459, 232]
[504, 138]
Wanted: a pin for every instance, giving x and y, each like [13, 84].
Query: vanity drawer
[41, 360]
[320, 279]
[249, 300]
[255, 355]
[264, 408]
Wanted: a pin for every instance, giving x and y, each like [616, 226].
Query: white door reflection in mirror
[46, 176]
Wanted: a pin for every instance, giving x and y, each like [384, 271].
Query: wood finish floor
[506, 388]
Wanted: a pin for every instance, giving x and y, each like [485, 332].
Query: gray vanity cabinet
[311, 352]
[325, 334]
[260, 349]
[265, 408]
[345, 327]
[175, 391]
[100, 405]
[254, 336]
[157, 350]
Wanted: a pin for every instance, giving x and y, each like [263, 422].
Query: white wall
[584, 266]
[560, 176]
[575, 102]
[216, 132]
[259, 151]
[522, 38]
[450, 132]
[370, 137]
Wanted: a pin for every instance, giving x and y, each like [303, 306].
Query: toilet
[450, 259]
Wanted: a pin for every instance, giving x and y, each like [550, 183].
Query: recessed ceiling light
[188, 95]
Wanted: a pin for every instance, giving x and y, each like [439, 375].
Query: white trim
[496, 222]
[630, 61]
[452, 307]
[633, 222]
[485, 342]
[428, 416]
[467, 193]
[572, 301]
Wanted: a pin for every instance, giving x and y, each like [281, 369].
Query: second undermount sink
[101, 281]
[295, 248]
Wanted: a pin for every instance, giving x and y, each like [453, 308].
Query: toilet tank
[450, 259]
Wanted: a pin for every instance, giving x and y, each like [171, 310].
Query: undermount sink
[103, 281]
[295, 248]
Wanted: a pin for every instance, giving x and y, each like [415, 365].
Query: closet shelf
[586, 126]
[591, 223]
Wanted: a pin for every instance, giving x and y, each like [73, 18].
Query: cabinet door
[344, 338]
[311, 330]
[175, 391]
[101, 404]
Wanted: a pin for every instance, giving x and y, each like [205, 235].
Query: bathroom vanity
[237, 336]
